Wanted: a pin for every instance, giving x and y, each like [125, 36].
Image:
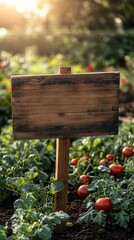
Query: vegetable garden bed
[27, 188]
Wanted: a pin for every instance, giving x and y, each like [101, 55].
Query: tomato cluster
[82, 190]
[109, 157]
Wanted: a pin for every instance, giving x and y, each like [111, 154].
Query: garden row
[27, 176]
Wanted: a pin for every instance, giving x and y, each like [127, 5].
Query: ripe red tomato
[74, 162]
[115, 169]
[82, 191]
[103, 162]
[91, 67]
[104, 204]
[110, 157]
[84, 179]
[127, 151]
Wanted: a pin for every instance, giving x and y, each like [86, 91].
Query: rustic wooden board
[51, 106]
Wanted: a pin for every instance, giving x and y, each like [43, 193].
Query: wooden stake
[61, 168]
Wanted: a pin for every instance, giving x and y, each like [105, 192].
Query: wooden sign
[65, 105]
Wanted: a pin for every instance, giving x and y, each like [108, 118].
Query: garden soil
[73, 230]
[90, 231]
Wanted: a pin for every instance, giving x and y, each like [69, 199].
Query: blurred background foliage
[83, 31]
[38, 36]
[72, 15]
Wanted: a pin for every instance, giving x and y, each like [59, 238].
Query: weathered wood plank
[65, 118]
[95, 78]
[65, 98]
[101, 129]
[54, 102]
[92, 106]
[97, 124]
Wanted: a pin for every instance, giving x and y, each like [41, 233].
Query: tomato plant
[82, 191]
[127, 151]
[84, 179]
[121, 195]
[115, 169]
[104, 204]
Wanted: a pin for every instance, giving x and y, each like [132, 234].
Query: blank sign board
[65, 106]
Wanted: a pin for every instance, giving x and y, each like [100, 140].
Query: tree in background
[90, 14]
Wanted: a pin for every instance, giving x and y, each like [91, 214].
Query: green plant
[5, 107]
[34, 216]
[23, 161]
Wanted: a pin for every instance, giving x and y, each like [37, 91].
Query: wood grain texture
[62, 105]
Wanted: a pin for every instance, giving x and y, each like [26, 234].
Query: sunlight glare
[26, 5]
[23, 5]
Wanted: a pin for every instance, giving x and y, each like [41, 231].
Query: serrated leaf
[86, 217]
[100, 217]
[122, 219]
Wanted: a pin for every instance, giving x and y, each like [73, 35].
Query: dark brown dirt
[6, 212]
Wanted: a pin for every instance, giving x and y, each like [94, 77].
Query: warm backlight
[22, 5]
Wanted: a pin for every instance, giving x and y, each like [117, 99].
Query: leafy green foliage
[24, 167]
[23, 162]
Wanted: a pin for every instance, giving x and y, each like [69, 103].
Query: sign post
[61, 167]
[64, 106]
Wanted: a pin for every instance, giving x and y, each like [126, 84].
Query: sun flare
[22, 5]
